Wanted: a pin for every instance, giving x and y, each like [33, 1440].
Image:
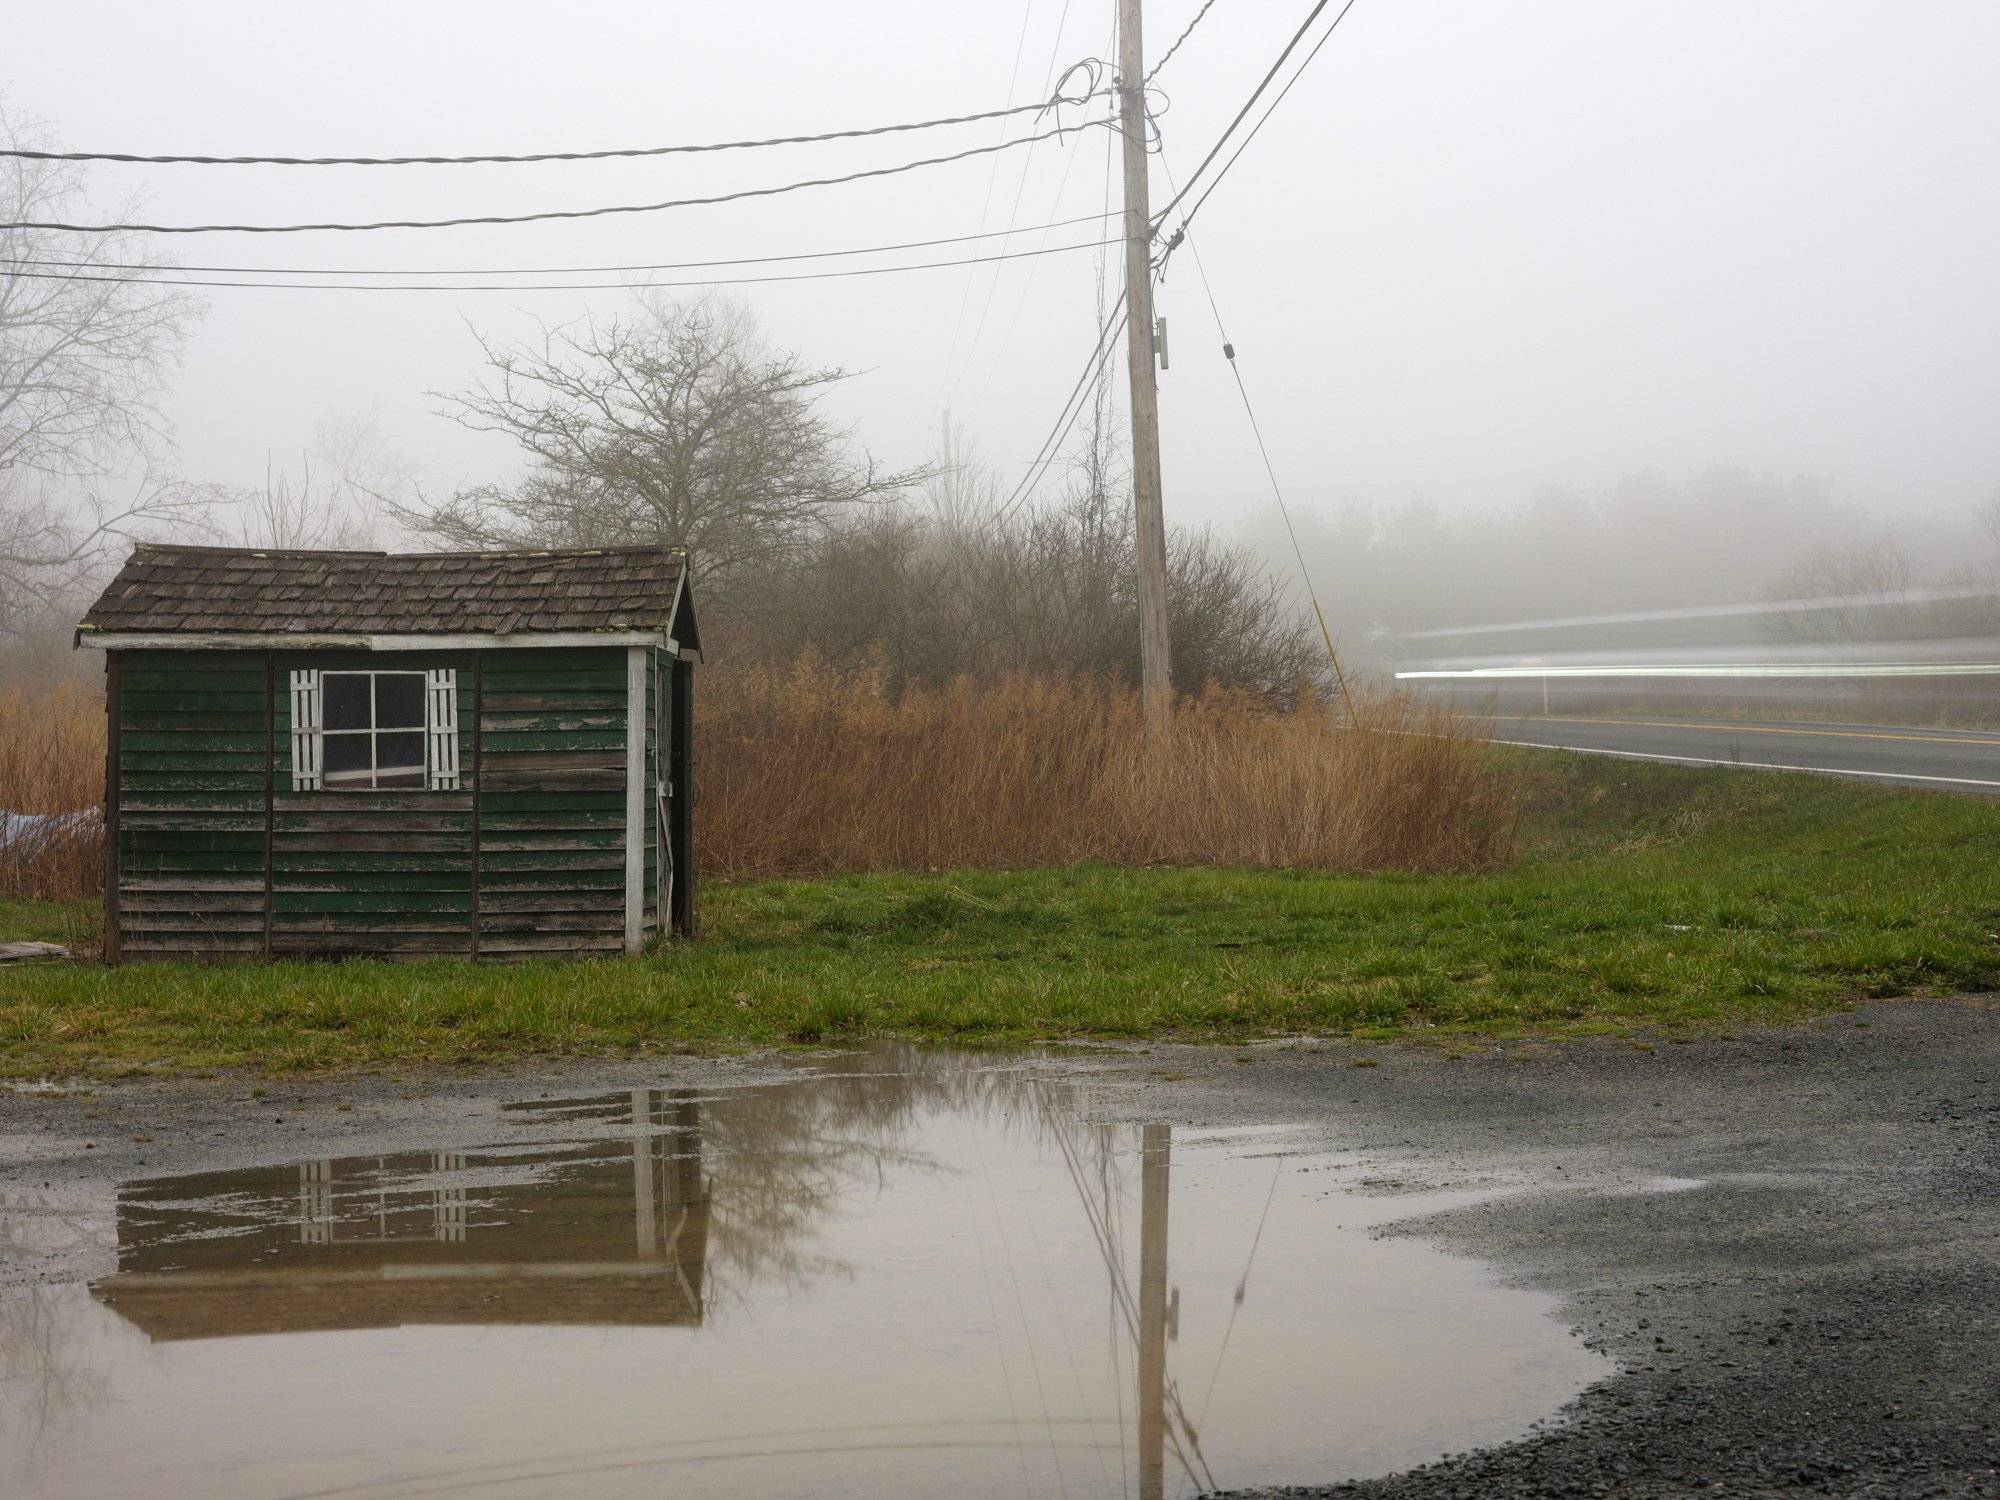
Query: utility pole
[1154, 691]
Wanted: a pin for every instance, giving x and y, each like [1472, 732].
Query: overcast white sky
[1481, 247]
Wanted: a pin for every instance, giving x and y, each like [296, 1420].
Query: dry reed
[816, 772]
[51, 784]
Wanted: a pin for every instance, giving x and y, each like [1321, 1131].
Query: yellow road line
[1836, 734]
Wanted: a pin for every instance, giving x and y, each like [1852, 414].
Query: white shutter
[305, 731]
[441, 719]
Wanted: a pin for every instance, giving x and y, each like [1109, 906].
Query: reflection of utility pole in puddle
[1151, 1318]
[1154, 1176]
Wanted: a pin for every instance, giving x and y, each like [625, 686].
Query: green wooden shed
[398, 755]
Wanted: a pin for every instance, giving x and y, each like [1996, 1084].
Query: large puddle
[906, 1274]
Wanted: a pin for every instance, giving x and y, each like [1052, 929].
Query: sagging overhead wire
[1111, 322]
[985, 205]
[51, 263]
[1270, 469]
[1071, 410]
[549, 214]
[544, 286]
[1092, 69]
[1028, 281]
[1020, 191]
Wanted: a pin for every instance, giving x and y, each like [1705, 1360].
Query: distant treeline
[1724, 536]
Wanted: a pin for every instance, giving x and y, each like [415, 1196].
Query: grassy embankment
[1641, 897]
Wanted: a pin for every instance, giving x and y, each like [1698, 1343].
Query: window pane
[399, 700]
[399, 755]
[345, 704]
[346, 762]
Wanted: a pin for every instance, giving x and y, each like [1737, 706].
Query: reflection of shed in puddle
[612, 1233]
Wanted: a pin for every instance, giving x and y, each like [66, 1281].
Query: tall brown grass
[52, 770]
[814, 771]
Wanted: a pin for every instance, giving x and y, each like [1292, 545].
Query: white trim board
[316, 641]
[635, 800]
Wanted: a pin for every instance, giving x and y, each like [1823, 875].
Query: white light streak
[1716, 611]
[1718, 669]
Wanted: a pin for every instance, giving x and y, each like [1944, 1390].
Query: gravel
[1821, 1316]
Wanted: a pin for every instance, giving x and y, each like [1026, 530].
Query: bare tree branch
[944, 590]
[673, 424]
[82, 366]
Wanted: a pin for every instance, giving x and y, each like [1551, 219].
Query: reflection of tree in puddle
[781, 1159]
[52, 1377]
[789, 1156]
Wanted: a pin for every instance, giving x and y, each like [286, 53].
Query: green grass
[1644, 897]
[44, 921]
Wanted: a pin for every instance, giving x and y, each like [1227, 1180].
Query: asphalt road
[1943, 759]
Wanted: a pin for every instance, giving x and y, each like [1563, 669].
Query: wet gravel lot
[1788, 1241]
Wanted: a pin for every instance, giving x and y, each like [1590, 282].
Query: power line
[682, 265]
[1325, 37]
[1020, 191]
[985, 204]
[1071, 409]
[1248, 104]
[1028, 281]
[1021, 302]
[1111, 324]
[543, 286]
[570, 213]
[1059, 98]
[1270, 469]
[1154, 72]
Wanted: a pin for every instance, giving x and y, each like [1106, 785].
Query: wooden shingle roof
[169, 590]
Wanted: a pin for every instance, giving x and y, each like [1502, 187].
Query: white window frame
[439, 729]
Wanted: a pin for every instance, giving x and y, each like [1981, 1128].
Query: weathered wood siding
[193, 745]
[370, 872]
[219, 857]
[552, 802]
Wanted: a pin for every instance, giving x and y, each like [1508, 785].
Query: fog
[1545, 309]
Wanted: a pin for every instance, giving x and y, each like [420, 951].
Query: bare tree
[346, 480]
[955, 587]
[1862, 585]
[306, 512]
[86, 344]
[673, 424]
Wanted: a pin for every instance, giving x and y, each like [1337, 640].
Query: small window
[367, 731]
[374, 729]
